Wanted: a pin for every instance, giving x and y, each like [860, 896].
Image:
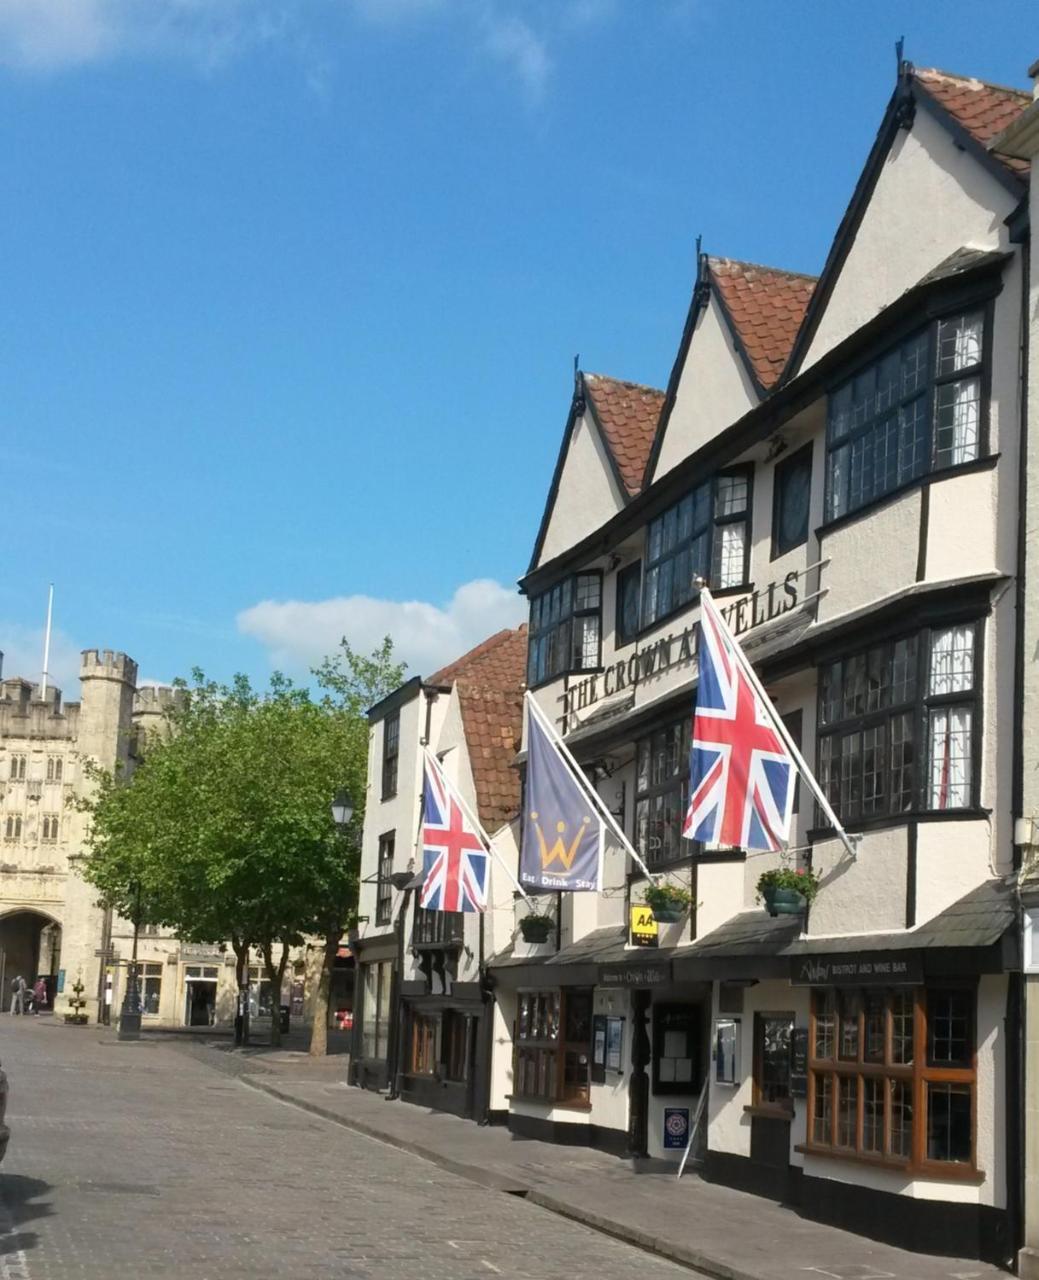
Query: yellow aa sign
[643, 926]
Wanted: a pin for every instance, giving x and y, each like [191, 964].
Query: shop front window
[553, 1045]
[892, 1076]
[423, 1044]
[772, 1063]
[150, 976]
[376, 1009]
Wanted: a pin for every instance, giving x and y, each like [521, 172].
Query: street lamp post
[130, 1013]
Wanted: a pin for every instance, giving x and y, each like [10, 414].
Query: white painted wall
[714, 389]
[931, 198]
[588, 494]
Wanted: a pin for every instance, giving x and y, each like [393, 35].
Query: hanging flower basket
[786, 891]
[668, 902]
[536, 928]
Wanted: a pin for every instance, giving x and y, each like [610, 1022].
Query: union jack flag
[454, 858]
[741, 775]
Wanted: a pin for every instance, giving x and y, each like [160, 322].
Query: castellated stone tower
[107, 681]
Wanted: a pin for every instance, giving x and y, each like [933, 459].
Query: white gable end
[588, 493]
[931, 198]
[714, 390]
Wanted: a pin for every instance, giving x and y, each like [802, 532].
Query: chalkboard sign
[799, 1062]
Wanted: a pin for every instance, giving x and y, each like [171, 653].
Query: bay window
[565, 628]
[706, 534]
[892, 1076]
[896, 725]
[915, 410]
[553, 1045]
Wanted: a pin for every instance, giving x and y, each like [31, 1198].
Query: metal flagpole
[693, 1128]
[578, 772]
[47, 643]
[435, 764]
[849, 843]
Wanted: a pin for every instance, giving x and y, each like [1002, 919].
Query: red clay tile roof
[499, 662]
[493, 723]
[766, 307]
[490, 680]
[628, 414]
[982, 109]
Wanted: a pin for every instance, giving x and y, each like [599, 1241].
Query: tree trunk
[276, 977]
[319, 1029]
[241, 1021]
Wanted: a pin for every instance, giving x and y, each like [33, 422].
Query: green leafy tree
[225, 830]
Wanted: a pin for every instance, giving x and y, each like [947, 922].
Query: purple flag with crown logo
[562, 833]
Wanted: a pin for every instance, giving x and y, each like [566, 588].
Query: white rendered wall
[587, 496]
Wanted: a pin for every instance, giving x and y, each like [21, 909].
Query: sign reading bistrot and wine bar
[857, 969]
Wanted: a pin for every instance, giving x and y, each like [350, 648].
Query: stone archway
[30, 946]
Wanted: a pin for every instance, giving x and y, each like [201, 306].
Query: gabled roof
[627, 414]
[764, 307]
[982, 109]
[490, 683]
[973, 111]
[497, 662]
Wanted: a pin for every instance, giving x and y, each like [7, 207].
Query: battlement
[155, 699]
[107, 664]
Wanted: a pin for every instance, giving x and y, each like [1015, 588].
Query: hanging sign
[644, 930]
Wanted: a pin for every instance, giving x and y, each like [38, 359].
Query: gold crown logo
[559, 850]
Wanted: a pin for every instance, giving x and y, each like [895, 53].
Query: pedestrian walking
[18, 988]
[39, 995]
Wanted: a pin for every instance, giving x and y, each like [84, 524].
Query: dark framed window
[51, 823]
[791, 500]
[566, 628]
[677, 1048]
[456, 1034]
[919, 408]
[662, 792]
[554, 1045]
[423, 1044]
[773, 1063]
[707, 534]
[892, 1077]
[897, 725]
[794, 722]
[17, 768]
[13, 828]
[390, 754]
[437, 928]
[383, 883]
[54, 764]
[629, 598]
[375, 1009]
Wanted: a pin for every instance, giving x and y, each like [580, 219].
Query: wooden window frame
[800, 459]
[918, 709]
[390, 754]
[561, 625]
[688, 595]
[982, 370]
[552, 1050]
[383, 878]
[424, 1043]
[630, 573]
[917, 1075]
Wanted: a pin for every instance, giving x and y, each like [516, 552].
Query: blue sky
[291, 289]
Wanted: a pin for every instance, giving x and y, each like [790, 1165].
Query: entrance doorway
[200, 995]
[30, 947]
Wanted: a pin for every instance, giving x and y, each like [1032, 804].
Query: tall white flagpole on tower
[47, 643]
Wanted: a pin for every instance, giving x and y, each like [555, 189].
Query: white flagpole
[582, 781]
[435, 764]
[780, 728]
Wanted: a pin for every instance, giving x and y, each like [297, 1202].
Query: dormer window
[916, 410]
[566, 629]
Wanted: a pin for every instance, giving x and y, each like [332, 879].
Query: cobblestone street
[139, 1160]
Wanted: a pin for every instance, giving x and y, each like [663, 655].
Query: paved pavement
[721, 1232]
[140, 1160]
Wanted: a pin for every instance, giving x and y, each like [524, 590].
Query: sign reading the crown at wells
[644, 931]
[679, 648]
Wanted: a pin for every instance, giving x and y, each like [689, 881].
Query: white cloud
[298, 634]
[22, 648]
[513, 42]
